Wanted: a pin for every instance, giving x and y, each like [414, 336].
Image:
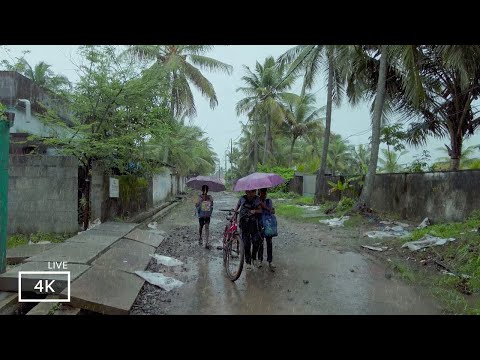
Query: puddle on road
[308, 280]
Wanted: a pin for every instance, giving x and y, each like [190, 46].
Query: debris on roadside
[335, 221]
[383, 248]
[94, 223]
[426, 222]
[395, 223]
[160, 280]
[396, 231]
[166, 260]
[426, 241]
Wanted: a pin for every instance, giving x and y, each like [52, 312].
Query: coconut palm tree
[467, 157]
[301, 117]
[387, 74]
[182, 65]
[389, 161]
[452, 77]
[311, 60]
[41, 75]
[264, 90]
[339, 155]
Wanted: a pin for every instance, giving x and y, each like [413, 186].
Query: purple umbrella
[212, 183]
[258, 181]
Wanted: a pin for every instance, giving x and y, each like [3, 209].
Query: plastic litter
[424, 223]
[165, 260]
[160, 280]
[335, 221]
[426, 241]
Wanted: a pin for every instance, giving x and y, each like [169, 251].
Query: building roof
[14, 86]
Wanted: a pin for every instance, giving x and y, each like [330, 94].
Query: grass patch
[303, 200]
[403, 270]
[354, 221]
[283, 195]
[289, 211]
[453, 301]
[15, 240]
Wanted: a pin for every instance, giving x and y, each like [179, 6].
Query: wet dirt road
[313, 275]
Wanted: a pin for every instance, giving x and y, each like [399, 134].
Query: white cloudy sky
[222, 123]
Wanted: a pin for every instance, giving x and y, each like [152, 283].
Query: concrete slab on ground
[21, 253]
[126, 255]
[146, 236]
[9, 280]
[67, 310]
[7, 299]
[94, 237]
[71, 252]
[115, 228]
[105, 291]
[44, 308]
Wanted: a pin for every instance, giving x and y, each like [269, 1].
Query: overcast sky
[222, 123]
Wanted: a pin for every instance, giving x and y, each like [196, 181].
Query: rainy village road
[315, 274]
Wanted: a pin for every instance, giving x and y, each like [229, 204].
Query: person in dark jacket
[267, 208]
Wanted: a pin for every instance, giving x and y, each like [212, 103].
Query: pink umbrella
[212, 183]
[258, 181]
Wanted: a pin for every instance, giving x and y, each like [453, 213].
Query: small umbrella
[212, 183]
[258, 181]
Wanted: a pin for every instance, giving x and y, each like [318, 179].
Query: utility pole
[6, 120]
[231, 152]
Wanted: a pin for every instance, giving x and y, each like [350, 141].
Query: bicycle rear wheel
[234, 254]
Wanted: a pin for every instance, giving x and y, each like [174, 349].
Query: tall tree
[264, 91]
[312, 59]
[452, 77]
[41, 74]
[302, 117]
[183, 65]
[390, 161]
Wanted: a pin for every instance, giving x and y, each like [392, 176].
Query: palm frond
[211, 64]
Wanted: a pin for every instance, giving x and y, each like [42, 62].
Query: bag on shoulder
[270, 228]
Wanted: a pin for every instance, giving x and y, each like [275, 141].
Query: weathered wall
[161, 187]
[441, 196]
[42, 194]
[98, 192]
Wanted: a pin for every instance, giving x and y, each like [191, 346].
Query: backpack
[205, 209]
[269, 223]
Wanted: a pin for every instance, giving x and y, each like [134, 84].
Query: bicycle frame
[230, 229]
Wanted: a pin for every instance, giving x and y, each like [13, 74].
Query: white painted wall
[161, 186]
[35, 126]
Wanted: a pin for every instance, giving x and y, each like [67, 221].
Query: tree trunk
[291, 152]
[320, 183]
[268, 141]
[367, 190]
[265, 146]
[255, 146]
[456, 143]
[86, 194]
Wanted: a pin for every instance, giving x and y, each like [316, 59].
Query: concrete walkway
[101, 262]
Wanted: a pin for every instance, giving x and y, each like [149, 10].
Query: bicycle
[233, 248]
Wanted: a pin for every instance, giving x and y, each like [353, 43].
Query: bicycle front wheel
[234, 257]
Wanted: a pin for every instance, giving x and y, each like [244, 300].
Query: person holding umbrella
[204, 204]
[249, 205]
